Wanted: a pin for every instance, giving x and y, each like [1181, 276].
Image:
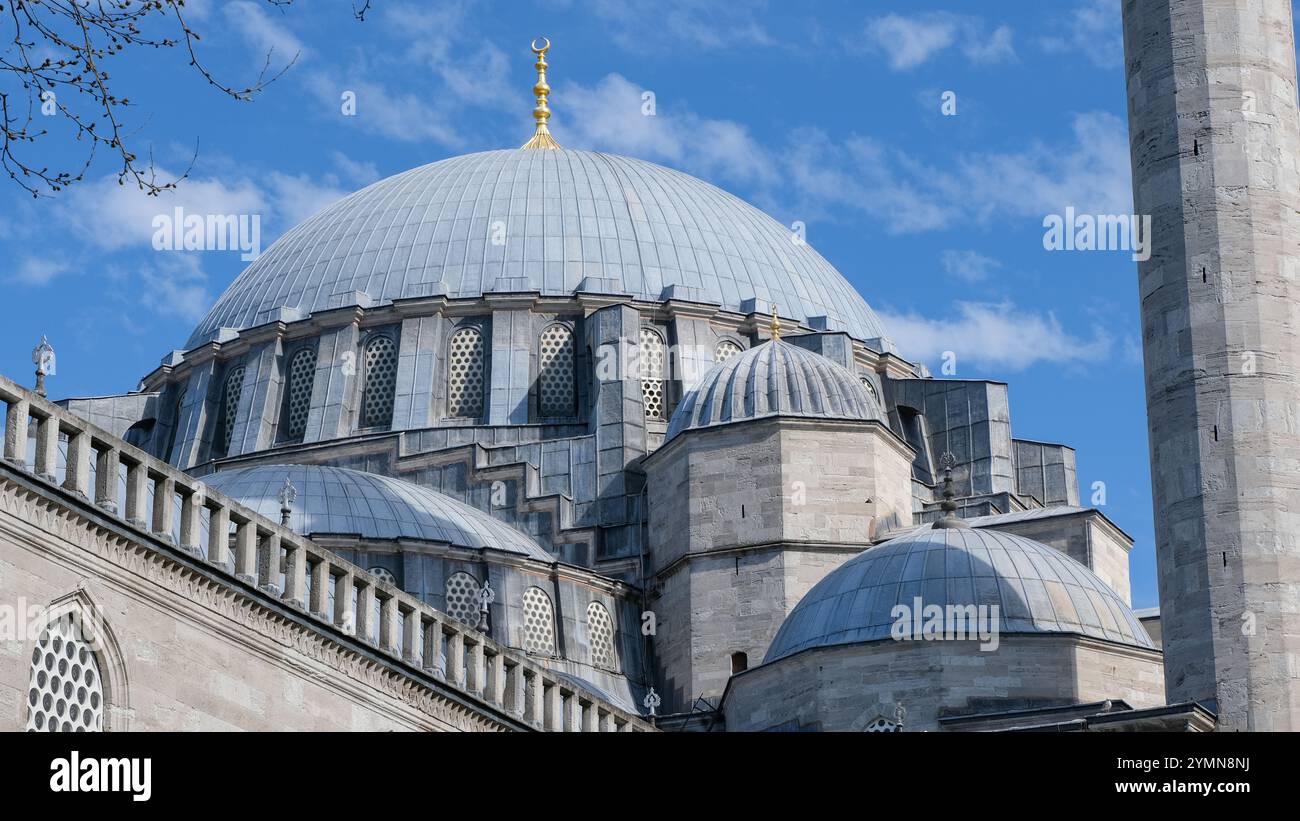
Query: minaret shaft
[1215, 139]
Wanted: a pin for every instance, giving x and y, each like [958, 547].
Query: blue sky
[824, 112]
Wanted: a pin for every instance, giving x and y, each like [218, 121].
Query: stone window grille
[600, 629]
[725, 350]
[230, 405]
[871, 388]
[882, 725]
[539, 623]
[298, 386]
[462, 601]
[383, 574]
[381, 382]
[555, 378]
[650, 361]
[465, 369]
[65, 692]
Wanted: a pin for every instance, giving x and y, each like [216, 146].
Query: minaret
[1215, 137]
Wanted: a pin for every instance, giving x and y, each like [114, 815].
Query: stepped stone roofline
[409, 633]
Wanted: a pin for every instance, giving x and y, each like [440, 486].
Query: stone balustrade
[146, 494]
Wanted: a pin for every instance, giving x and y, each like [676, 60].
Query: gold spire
[542, 138]
[776, 324]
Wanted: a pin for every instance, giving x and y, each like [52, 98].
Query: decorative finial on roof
[542, 138]
[43, 359]
[950, 518]
[288, 495]
[776, 324]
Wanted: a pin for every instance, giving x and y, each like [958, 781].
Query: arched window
[381, 382]
[555, 382]
[65, 692]
[462, 601]
[465, 367]
[300, 376]
[600, 631]
[739, 662]
[651, 362]
[234, 389]
[725, 350]
[539, 622]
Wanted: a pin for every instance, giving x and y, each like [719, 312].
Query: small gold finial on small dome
[776, 324]
[542, 138]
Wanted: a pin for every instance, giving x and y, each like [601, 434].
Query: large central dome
[557, 222]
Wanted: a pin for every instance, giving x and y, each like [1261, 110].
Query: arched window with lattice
[650, 361]
[725, 350]
[65, 690]
[539, 622]
[300, 376]
[462, 598]
[381, 382]
[466, 366]
[556, 386]
[600, 632]
[230, 396]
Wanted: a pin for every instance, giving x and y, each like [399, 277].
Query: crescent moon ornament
[545, 48]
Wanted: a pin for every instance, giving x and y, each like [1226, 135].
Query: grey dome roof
[337, 500]
[1037, 590]
[573, 220]
[774, 379]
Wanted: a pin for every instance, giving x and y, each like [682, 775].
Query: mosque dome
[1037, 590]
[340, 501]
[774, 379]
[557, 222]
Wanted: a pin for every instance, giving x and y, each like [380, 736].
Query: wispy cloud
[968, 266]
[1092, 28]
[38, 270]
[996, 335]
[679, 25]
[908, 41]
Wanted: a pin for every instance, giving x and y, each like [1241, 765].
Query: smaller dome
[337, 500]
[1037, 590]
[774, 379]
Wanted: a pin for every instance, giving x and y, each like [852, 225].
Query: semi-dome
[341, 501]
[1037, 590]
[774, 379]
[556, 222]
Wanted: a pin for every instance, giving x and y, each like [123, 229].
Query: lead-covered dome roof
[1037, 590]
[571, 221]
[774, 379]
[341, 501]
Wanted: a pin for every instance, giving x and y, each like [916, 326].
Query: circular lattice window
[465, 368]
[882, 725]
[230, 407]
[651, 364]
[65, 693]
[539, 622]
[725, 350]
[462, 602]
[381, 381]
[600, 628]
[383, 574]
[555, 372]
[302, 375]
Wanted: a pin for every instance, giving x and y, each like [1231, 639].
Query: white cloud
[1093, 28]
[968, 266]
[263, 34]
[659, 25]
[37, 271]
[910, 41]
[608, 116]
[175, 285]
[995, 335]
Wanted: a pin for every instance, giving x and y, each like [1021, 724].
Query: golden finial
[776, 324]
[542, 137]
